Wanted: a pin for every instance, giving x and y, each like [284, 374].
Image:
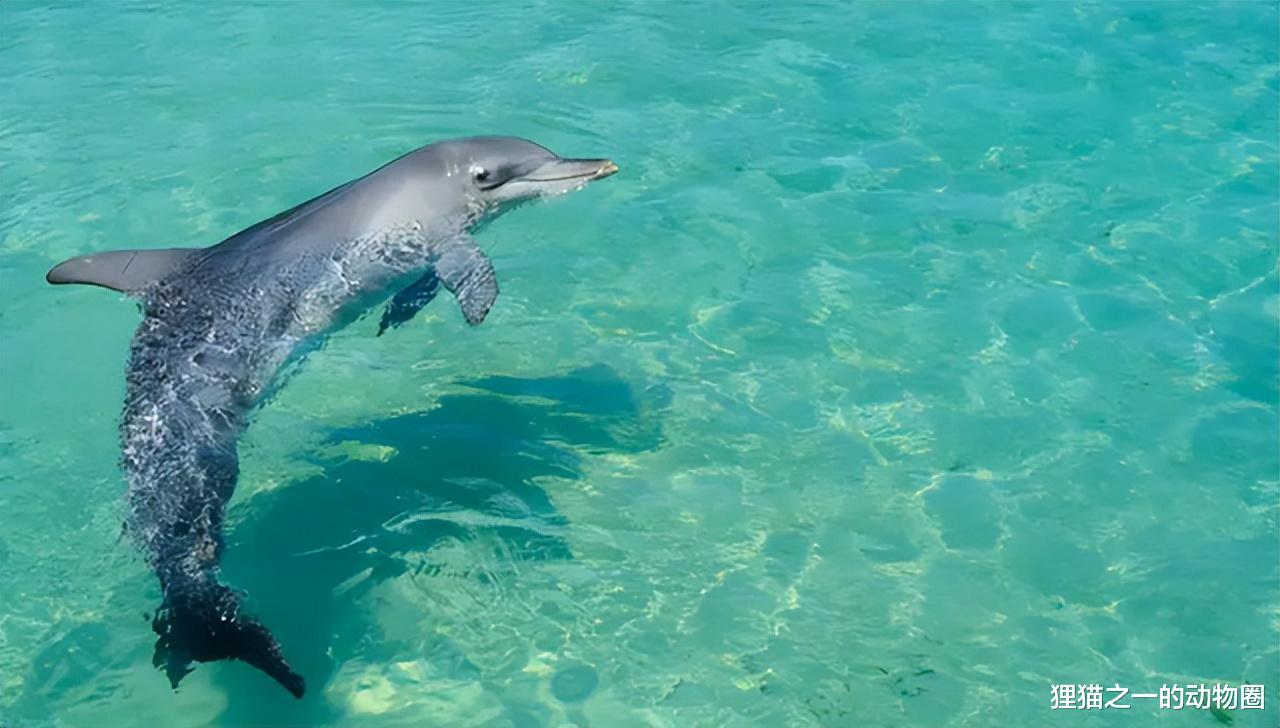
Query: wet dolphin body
[220, 322]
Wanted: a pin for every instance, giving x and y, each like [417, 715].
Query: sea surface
[921, 357]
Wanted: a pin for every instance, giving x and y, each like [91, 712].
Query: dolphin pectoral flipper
[126, 271]
[468, 273]
[408, 302]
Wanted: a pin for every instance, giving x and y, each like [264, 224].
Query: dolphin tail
[203, 622]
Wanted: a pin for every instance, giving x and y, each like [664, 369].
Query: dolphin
[220, 323]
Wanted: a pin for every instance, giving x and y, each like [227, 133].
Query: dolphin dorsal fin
[127, 271]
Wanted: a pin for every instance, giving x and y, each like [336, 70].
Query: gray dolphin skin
[219, 324]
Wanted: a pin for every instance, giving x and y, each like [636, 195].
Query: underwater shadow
[307, 553]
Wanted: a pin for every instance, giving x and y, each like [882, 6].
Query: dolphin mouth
[560, 170]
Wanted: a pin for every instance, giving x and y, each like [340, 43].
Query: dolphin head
[498, 172]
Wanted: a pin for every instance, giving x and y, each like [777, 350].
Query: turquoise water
[919, 358]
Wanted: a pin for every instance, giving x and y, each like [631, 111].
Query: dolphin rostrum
[220, 322]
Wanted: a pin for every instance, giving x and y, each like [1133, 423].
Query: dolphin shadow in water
[480, 450]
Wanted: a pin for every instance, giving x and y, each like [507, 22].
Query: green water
[920, 357]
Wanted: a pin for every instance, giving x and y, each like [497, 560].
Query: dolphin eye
[481, 174]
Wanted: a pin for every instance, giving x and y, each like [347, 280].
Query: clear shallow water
[920, 357]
